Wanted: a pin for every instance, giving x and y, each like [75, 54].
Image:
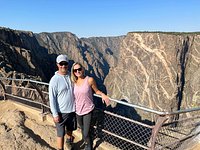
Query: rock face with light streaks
[157, 70]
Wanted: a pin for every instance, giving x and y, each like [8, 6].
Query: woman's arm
[93, 85]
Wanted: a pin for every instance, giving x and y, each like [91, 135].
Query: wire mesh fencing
[121, 132]
[178, 129]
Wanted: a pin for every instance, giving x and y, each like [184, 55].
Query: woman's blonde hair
[73, 77]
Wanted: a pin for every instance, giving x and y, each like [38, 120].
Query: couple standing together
[71, 97]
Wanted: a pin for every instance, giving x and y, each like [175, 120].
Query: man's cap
[61, 58]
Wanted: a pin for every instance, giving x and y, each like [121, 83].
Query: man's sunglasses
[63, 63]
[79, 69]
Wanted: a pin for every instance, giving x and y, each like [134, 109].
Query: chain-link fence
[121, 132]
[120, 127]
[178, 130]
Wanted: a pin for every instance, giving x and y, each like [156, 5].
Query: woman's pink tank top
[83, 98]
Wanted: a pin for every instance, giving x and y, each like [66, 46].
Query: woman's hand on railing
[105, 99]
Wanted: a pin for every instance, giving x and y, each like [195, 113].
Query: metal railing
[120, 126]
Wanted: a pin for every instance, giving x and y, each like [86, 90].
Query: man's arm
[53, 99]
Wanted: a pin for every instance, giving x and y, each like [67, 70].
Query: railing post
[4, 90]
[159, 122]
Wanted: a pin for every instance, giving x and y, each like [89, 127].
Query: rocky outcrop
[21, 131]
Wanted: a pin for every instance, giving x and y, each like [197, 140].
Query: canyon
[158, 70]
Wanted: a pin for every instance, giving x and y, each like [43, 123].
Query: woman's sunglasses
[79, 69]
[63, 63]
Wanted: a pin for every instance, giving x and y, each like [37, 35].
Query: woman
[83, 86]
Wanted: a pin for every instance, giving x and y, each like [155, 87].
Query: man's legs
[60, 127]
[60, 143]
[69, 130]
[69, 140]
[64, 129]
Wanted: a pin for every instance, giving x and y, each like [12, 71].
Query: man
[62, 103]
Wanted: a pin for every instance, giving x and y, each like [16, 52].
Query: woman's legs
[84, 123]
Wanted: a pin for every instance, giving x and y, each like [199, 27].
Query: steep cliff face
[191, 67]
[107, 46]
[96, 54]
[157, 70]
[18, 52]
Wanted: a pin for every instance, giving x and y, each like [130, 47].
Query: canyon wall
[157, 70]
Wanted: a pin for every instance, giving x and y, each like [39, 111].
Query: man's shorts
[67, 123]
